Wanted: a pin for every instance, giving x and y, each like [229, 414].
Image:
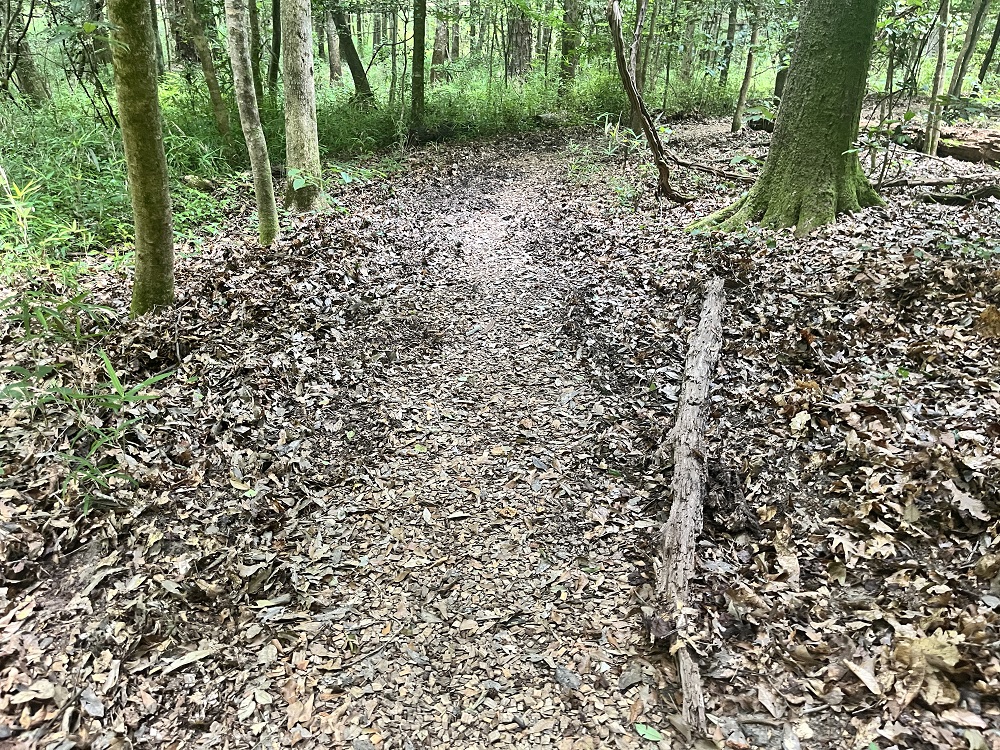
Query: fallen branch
[962, 199]
[687, 490]
[905, 182]
[663, 186]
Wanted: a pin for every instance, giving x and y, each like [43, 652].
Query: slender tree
[812, 171]
[741, 100]
[419, 58]
[156, 36]
[933, 131]
[301, 137]
[255, 51]
[990, 51]
[134, 61]
[197, 33]
[363, 95]
[977, 20]
[333, 48]
[727, 47]
[569, 43]
[246, 101]
[274, 63]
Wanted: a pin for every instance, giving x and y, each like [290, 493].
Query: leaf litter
[402, 484]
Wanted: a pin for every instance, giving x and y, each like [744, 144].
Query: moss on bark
[812, 172]
[134, 59]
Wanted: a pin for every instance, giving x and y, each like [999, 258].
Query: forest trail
[405, 488]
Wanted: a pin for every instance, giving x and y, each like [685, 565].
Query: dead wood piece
[687, 489]
[962, 199]
[906, 182]
[663, 186]
[964, 144]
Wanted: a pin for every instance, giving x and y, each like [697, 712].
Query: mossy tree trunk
[204, 50]
[301, 137]
[812, 171]
[134, 59]
[246, 101]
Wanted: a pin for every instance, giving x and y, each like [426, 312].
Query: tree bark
[687, 491]
[440, 53]
[197, 33]
[333, 48]
[134, 61]
[812, 171]
[29, 80]
[456, 38]
[419, 58]
[255, 52]
[741, 101]
[977, 20]
[246, 101]
[990, 52]
[569, 42]
[156, 37]
[301, 138]
[933, 132]
[362, 89]
[518, 43]
[275, 61]
[727, 47]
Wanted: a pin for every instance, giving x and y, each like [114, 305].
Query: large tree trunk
[246, 101]
[977, 20]
[518, 43]
[255, 51]
[134, 58]
[203, 48]
[812, 171]
[440, 53]
[741, 100]
[333, 48]
[183, 46]
[990, 52]
[275, 62]
[419, 58]
[301, 138]
[29, 80]
[362, 89]
[933, 132]
[569, 56]
[727, 47]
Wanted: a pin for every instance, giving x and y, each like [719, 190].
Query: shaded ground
[404, 489]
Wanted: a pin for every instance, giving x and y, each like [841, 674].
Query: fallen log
[964, 144]
[687, 491]
[962, 199]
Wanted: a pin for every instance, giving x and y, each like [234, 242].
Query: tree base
[805, 203]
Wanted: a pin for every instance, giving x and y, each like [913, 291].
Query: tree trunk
[362, 89]
[569, 42]
[333, 48]
[440, 53]
[518, 43]
[812, 171]
[780, 79]
[255, 51]
[976, 22]
[933, 132]
[156, 37]
[687, 61]
[29, 80]
[183, 46]
[419, 58]
[246, 101]
[727, 47]
[393, 60]
[456, 25]
[275, 62]
[301, 138]
[102, 50]
[741, 101]
[134, 60]
[990, 52]
[204, 50]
